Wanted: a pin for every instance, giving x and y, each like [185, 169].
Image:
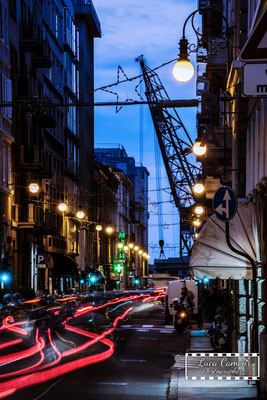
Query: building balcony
[36, 160]
[55, 244]
[24, 88]
[46, 118]
[86, 9]
[29, 215]
[30, 36]
[42, 58]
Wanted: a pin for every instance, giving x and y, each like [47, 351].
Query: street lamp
[196, 222]
[140, 252]
[136, 248]
[109, 229]
[34, 187]
[62, 207]
[120, 245]
[198, 149]
[126, 248]
[131, 245]
[198, 188]
[80, 214]
[183, 70]
[198, 210]
[98, 227]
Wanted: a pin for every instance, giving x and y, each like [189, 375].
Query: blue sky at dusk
[152, 28]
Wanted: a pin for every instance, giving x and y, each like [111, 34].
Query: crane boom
[175, 143]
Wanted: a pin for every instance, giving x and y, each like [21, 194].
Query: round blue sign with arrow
[224, 203]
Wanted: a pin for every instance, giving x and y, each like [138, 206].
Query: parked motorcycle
[218, 338]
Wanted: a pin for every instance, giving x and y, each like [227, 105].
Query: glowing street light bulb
[183, 70]
[120, 245]
[196, 222]
[62, 207]
[144, 254]
[198, 149]
[109, 229]
[147, 256]
[131, 245]
[140, 252]
[4, 278]
[198, 188]
[196, 235]
[199, 210]
[136, 248]
[98, 227]
[80, 214]
[126, 248]
[34, 187]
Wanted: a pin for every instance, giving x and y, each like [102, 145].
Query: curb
[187, 341]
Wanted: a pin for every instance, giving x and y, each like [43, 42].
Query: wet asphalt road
[138, 369]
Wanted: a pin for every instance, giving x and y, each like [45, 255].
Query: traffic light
[118, 268]
[83, 277]
[93, 278]
[4, 277]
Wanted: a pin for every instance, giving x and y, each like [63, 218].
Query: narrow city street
[138, 369]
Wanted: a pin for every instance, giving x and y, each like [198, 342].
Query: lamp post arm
[204, 10]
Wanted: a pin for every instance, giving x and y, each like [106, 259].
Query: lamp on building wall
[199, 210]
[196, 222]
[34, 187]
[198, 188]
[199, 150]
[183, 70]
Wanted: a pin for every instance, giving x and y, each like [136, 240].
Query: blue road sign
[224, 203]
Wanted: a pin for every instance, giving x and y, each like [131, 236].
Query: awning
[64, 265]
[212, 257]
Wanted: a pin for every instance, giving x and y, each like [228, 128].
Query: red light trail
[40, 372]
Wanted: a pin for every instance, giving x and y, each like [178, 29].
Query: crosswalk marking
[147, 328]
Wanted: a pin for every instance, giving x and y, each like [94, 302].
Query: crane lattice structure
[175, 145]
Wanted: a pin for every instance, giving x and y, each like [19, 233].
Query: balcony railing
[35, 159]
[46, 118]
[30, 35]
[42, 59]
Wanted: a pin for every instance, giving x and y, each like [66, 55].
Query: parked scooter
[217, 332]
[180, 321]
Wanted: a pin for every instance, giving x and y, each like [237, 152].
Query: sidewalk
[198, 341]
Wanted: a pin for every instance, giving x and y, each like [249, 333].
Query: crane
[175, 144]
